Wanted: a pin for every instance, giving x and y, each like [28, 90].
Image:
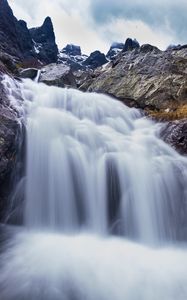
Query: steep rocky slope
[145, 77]
[28, 46]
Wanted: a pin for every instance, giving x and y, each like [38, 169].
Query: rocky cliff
[28, 46]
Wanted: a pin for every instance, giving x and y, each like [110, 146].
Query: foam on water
[50, 266]
[94, 163]
[95, 168]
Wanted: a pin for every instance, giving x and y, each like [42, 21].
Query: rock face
[17, 40]
[95, 60]
[145, 77]
[175, 134]
[58, 75]
[9, 136]
[44, 41]
[14, 35]
[71, 49]
[130, 45]
[114, 50]
[71, 55]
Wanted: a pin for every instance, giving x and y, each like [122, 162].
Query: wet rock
[175, 134]
[58, 75]
[29, 73]
[9, 136]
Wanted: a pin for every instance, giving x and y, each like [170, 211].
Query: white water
[94, 168]
[93, 163]
[59, 267]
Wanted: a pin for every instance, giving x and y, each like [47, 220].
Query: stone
[10, 133]
[29, 73]
[175, 134]
[58, 75]
[71, 49]
[44, 42]
[95, 60]
[114, 50]
[130, 45]
[29, 46]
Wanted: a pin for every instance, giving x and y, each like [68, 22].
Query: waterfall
[94, 164]
[105, 204]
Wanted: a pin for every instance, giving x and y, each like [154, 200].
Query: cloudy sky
[95, 24]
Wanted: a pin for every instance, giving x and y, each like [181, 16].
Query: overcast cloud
[95, 24]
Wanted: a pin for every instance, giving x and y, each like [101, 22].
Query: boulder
[58, 75]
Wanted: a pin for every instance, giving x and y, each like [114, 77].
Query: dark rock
[58, 75]
[44, 39]
[17, 40]
[175, 134]
[114, 50]
[95, 60]
[71, 55]
[9, 62]
[149, 48]
[131, 45]
[9, 136]
[29, 73]
[72, 50]
[176, 47]
[14, 35]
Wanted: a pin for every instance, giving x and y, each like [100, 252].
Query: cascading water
[97, 168]
[95, 164]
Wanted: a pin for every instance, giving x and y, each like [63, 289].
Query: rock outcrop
[146, 78]
[72, 56]
[28, 46]
[95, 60]
[71, 49]
[15, 38]
[44, 42]
[114, 50]
[130, 45]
